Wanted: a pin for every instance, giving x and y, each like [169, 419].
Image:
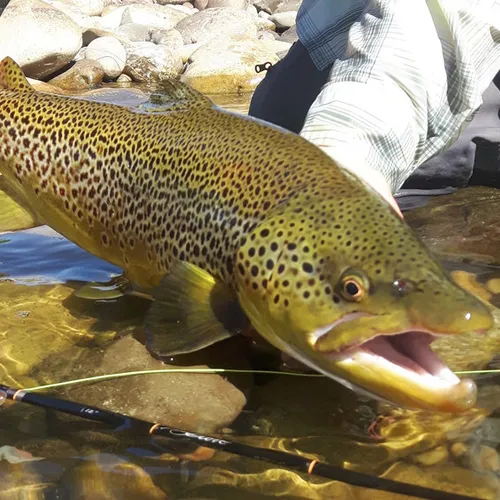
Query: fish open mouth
[411, 352]
[401, 368]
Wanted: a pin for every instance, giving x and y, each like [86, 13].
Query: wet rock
[435, 456]
[208, 24]
[111, 478]
[227, 65]
[147, 62]
[124, 78]
[284, 20]
[158, 16]
[290, 35]
[57, 37]
[171, 38]
[82, 75]
[464, 218]
[196, 402]
[486, 459]
[109, 53]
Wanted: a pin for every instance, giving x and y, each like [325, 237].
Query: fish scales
[152, 185]
[230, 218]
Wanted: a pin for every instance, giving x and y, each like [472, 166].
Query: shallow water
[47, 332]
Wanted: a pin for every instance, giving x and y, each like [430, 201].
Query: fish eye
[353, 287]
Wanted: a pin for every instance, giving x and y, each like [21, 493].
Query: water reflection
[48, 333]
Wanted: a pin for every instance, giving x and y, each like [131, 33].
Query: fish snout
[456, 314]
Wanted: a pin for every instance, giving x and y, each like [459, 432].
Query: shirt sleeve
[412, 75]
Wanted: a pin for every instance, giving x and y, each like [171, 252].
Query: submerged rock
[57, 37]
[111, 478]
[461, 225]
[82, 75]
[190, 401]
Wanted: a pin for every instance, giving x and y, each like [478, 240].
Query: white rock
[87, 7]
[212, 23]
[265, 24]
[187, 10]
[136, 32]
[109, 53]
[113, 18]
[148, 62]
[172, 38]
[159, 16]
[276, 46]
[188, 49]
[234, 4]
[284, 19]
[40, 38]
[227, 65]
[200, 4]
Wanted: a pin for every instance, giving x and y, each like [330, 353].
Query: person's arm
[413, 74]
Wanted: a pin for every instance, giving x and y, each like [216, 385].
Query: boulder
[207, 24]
[148, 62]
[109, 53]
[158, 16]
[227, 65]
[40, 38]
[81, 76]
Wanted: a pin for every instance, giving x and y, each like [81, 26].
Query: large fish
[233, 220]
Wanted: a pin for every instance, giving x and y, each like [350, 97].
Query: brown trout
[231, 220]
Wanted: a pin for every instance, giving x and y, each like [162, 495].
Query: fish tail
[12, 76]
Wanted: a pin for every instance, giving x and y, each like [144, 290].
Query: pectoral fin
[191, 310]
[13, 216]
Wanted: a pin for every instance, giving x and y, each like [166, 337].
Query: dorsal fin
[173, 95]
[12, 76]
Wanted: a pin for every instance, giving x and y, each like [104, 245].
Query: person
[385, 87]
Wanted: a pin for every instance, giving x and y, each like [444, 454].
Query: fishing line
[123, 422]
[111, 376]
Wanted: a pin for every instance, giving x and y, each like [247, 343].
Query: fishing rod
[123, 422]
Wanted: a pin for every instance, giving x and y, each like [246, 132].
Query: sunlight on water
[49, 334]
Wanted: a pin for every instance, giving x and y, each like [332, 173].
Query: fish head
[349, 290]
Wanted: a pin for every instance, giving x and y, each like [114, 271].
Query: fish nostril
[403, 287]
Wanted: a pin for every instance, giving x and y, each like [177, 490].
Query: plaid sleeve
[407, 79]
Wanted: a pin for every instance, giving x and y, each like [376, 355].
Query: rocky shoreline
[213, 45]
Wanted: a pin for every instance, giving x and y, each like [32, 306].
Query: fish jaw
[395, 365]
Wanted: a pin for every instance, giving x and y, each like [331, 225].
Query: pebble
[435, 456]
[110, 54]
